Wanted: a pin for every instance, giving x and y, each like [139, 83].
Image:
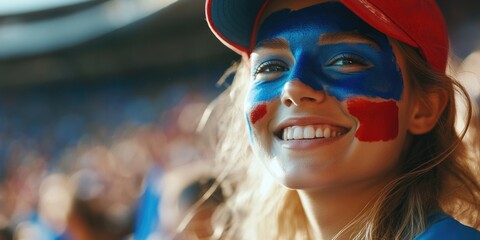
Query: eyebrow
[276, 43]
[346, 37]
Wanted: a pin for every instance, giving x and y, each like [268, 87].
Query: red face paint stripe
[378, 120]
[258, 113]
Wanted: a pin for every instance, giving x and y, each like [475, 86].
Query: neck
[329, 211]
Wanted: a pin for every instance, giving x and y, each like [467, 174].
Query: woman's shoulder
[443, 227]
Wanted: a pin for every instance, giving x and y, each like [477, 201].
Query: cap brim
[233, 21]
[376, 18]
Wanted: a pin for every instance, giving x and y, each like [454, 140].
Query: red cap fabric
[418, 23]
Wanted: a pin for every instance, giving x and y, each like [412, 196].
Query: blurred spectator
[189, 201]
[200, 225]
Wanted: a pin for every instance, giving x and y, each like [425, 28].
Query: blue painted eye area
[349, 63]
[270, 69]
[272, 66]
[326, 47]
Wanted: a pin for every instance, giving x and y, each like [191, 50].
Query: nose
[297, 93]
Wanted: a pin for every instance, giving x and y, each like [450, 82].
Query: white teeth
[290, 133]
[319, 133]
[326, 133]
[297, 133]
[309, 132]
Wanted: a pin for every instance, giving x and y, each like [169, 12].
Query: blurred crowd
[92, 162]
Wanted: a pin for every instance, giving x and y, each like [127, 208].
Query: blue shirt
[444, 227]
[148, 219]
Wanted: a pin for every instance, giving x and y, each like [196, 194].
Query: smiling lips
[311, 132]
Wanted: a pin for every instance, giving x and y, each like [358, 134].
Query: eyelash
[353, 60]
[266, 67]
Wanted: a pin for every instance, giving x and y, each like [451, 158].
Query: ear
[426, 111]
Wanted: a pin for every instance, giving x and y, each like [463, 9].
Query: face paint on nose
[324, 66]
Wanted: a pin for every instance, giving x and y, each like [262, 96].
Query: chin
[302, 182]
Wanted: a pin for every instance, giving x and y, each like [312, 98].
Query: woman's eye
[275, 66]
[343, 62]
[349, 63]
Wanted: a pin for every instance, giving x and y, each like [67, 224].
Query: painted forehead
[329, 17]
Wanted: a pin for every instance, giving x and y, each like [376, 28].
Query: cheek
[258, 97]
[378, 120]
[254, 115]
[257, 113]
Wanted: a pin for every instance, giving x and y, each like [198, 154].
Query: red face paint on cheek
[378, 120]
[258, 113]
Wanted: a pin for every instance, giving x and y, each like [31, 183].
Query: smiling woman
[350, 117]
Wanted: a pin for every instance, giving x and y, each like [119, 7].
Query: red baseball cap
[418, 23]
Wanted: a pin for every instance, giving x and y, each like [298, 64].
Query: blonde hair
[436, 176]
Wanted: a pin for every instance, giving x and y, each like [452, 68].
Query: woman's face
[327, 105]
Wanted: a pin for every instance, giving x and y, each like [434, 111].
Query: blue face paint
[322, 66]
[249, 128]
